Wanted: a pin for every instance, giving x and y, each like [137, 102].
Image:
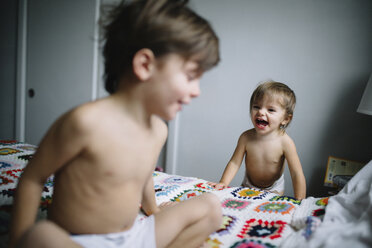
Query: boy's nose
[195, 90]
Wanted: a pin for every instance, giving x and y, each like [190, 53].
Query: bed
[251, 218]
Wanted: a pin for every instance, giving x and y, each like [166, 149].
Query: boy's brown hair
[272, 88]
[164, 27]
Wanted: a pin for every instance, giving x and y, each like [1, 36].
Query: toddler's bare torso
[264, 160]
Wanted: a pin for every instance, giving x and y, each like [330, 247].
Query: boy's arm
[62, 142]
[295, 168]
[149, 205]
[234, 164]
[148, 202]
[25, 205]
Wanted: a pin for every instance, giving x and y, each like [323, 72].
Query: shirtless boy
[103, 153]
[267, 145]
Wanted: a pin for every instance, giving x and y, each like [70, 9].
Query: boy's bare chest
[124, 157]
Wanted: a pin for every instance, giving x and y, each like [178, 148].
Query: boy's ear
[143, 64]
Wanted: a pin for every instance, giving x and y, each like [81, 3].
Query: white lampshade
[365, 106]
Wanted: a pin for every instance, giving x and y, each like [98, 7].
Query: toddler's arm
[295, 168]
[234, 163]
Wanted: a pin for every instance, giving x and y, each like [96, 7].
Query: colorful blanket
[251, 218]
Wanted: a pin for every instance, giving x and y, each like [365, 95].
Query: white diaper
[142, 234]
[277, 186]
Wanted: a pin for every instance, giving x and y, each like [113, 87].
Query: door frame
[20, 109]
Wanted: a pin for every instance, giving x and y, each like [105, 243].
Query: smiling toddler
[267, 145]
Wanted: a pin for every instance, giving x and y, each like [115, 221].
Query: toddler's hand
[219, 186]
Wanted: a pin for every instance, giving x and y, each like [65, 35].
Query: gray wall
[60, 60]
[8, 46]
[321, 49]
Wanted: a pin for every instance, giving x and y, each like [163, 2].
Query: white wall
[321, 49]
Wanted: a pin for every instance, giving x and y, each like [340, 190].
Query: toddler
[266, 146]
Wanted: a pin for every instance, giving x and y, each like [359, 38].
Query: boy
[267, 145]
[103, 153]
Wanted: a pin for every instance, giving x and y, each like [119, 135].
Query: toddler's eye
[255, 107]
[272, 110]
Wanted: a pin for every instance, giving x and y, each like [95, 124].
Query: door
[60, 61]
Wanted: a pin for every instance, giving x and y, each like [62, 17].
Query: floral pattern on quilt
[322, 201]
[207, 186]
[164, 190]
[286, 199]
[235, 204]
[275, 207]
[247, 193]
[249, 243]
[188, 194]
[228, 223]
[262, 229]
[251, 218]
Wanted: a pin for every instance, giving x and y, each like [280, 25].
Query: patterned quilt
[251, 218]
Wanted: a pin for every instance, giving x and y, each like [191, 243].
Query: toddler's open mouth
[261, 123]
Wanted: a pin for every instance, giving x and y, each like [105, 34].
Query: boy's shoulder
[84, 114]
[99, 118]
[83, 118]
[73, 128]
[91, 112]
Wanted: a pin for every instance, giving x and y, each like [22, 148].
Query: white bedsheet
[348, 218]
